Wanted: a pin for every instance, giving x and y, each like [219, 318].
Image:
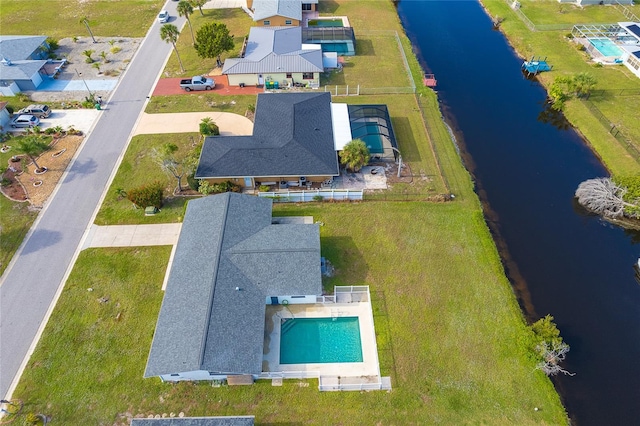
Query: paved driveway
[79, 119]
[183, 122]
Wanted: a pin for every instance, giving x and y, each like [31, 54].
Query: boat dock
[429, 80]
[535, 66]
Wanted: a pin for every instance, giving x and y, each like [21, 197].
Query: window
[307, 76]
[287, 22]
[289, 75]
[306, 6]
[266, 23]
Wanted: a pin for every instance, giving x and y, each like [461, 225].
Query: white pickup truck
[197, 83]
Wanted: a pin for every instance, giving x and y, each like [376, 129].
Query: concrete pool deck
[369, 367]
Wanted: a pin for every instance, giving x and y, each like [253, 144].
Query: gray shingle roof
[227, 242]
[292, 136]
[276, 49]
[196, 421]
[18, 48]
[263, 9]
[20, 70]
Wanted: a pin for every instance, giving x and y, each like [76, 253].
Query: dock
[429, 80]
[535, 66]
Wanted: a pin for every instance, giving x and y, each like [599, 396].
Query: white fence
[307, 196]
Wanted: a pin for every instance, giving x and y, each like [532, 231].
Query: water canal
[560, 261]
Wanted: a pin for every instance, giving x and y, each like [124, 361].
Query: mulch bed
[14, 190]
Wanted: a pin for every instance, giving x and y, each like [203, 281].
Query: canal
[527, 166]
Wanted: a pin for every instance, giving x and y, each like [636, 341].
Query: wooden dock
[429, 80]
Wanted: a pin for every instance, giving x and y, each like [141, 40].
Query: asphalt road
[29, 287]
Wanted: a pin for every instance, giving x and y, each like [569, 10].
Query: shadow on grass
[347, 259]
[407, 143]
[327, 6]
[365, 47]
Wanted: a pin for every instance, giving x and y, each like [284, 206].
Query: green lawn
[544, 12]
[15, 222]
[137, 169]
[237, 104]
[449, 331]
[61, 18]
[568, 60]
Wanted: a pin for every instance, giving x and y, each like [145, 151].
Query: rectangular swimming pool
[325, 23]
[606, 47]
[320, 340]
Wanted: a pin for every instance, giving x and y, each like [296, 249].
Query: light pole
[85, 84]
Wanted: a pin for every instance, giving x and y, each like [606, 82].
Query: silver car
[40, 111]
[25, 120]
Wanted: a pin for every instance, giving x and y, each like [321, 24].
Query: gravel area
[111, 67]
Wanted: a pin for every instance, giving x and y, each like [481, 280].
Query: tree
[354, 155]
[85, 21]
[88, 54]
[169, 34]
[582, 84]
[198, 4]
[208, 127]
[32, 146]
[604, 197]
[170, 164]
[212, 39]
[185, 9]
[549, 346]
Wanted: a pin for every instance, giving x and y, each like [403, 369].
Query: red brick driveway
[171, 86]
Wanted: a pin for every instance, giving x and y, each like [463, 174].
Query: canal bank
[560, 261]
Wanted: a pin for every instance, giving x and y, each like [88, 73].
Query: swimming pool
[325, 23]
[370, 134]
[320, 340]
[606, 47]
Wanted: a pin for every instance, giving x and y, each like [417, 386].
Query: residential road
[30, 285]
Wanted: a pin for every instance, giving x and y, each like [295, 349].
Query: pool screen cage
[361, 118]
[610, 31]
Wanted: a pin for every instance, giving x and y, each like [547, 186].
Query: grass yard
[137, 169]
[545, 12]
[449, 331]
[236, 20]
[15, 221]
[206, 101]
[61, 18]
[568, 60]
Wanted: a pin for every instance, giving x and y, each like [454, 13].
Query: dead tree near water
[603, 196]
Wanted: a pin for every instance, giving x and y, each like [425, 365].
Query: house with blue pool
[232, 262]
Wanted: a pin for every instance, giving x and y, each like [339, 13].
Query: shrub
[49, 131]
[581, 48]
[53, 44]
[5, 181]
[251, 107]
[318, 198]
[115, 49]
[193, 182]
[264, 188]
[146, 195]
[207, 188]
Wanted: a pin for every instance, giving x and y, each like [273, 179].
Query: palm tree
[355, 154]
[85, 21]
[169, 33]
[198, 4]
[32, 146]
[185, 9]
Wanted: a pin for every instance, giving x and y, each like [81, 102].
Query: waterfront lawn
[236, 20]
[568, 60]
[376, 15]
[137, 169]
[545, 12]
[61, 18]
[449, 331]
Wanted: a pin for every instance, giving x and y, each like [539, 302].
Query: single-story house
[276, 57]
[293, 142]
[230, 261]
[5, 117]
[280, 12]
[196, 421]
[22, 61]
[631, 55]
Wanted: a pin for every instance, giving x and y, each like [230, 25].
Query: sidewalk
[183, 122]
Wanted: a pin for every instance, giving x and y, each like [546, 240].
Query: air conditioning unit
[303, 179]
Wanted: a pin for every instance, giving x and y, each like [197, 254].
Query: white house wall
[293, 300]
[192, 376]
[281, 78]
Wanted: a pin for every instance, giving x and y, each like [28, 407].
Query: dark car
[40, 111]
[25, 120]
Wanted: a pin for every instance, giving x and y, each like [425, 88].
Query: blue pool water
[606, 46]
[370, 134]
[320, 340]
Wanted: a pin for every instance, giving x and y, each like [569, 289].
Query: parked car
[163, 16]
[40, 111]
[25, 120]
[199, 82]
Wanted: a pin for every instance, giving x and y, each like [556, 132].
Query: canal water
[527, 166]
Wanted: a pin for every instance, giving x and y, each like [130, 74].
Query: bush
[193, 182]
[146, 195]
[264, 188]
[581, 48]
[53, 44]
[318, 198]
[5, 181]
[115, 49]
[207, 188]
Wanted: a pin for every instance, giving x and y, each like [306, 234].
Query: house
[293, 142]
[22, 62]
[5, 117]
[196, 421]
[280, 12]
[230, 262]
[276, 57]
[631, 55]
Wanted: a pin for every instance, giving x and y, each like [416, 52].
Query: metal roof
[292, 136]
[263, 9]
[228, 260]
[276, 49]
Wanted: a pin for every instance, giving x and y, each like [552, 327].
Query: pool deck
[369, 366]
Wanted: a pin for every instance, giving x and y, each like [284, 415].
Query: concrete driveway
[183, 122]
[79, 119]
